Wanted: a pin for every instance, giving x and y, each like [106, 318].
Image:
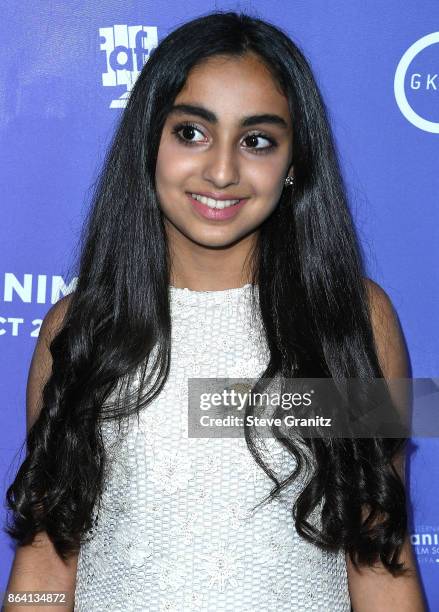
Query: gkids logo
[127, 48]
[427, 80]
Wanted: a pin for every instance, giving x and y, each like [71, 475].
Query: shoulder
[388, 336]
[377, 295]
[53, 319]
[41, 362]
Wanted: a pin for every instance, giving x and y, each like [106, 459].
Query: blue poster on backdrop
[67, 70]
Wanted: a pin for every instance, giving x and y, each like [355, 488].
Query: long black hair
[312, 298]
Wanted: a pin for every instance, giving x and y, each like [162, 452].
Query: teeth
[211, 203]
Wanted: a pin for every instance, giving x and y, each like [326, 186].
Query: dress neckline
[216, 291]
[184, 295]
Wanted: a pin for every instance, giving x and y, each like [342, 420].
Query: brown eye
[188, 132]
[184, 132]
[254, 138]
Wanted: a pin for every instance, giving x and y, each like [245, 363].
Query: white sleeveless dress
[175, 531]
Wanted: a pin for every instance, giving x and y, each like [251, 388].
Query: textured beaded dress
[175, 530]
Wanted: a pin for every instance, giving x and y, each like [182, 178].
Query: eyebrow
[207, 115]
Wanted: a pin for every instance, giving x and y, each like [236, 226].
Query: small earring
[289, 181]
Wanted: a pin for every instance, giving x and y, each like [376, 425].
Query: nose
[221, 167]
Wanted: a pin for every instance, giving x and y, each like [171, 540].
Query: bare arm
[375, 589]
[37, 566]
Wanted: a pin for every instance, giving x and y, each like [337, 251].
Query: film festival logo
[127, 48]
[410, 83]
[19, 291]
[426, 544]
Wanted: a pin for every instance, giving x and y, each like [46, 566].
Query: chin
[215, 241]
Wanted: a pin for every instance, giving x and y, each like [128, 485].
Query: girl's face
[228, 136]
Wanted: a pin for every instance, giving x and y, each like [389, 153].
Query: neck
[205, 268]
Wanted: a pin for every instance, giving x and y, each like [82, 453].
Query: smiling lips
[218, 208]
[213, 202]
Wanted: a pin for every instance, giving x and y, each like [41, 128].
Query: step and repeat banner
[66, 70]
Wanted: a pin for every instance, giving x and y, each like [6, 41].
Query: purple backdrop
[66, 69]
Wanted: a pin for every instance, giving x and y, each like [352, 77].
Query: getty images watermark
[314, 407]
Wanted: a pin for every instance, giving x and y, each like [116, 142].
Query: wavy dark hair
[312, 298]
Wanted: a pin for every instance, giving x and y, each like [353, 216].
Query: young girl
[220, 244]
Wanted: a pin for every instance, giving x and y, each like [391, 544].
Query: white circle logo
[401, 98]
